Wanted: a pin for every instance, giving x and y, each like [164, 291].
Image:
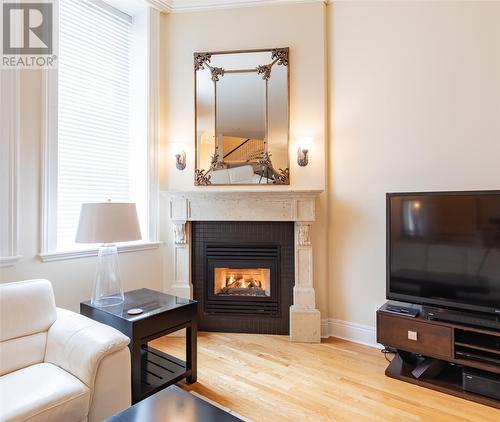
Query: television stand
[434, 354]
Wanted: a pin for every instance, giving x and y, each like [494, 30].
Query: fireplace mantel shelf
[242, 205]
[217, 191]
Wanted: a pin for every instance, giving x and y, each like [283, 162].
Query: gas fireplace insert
[243, 275]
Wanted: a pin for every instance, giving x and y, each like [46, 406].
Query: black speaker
[479, 382]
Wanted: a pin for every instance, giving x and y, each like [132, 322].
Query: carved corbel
[304, 235]
[180, 237]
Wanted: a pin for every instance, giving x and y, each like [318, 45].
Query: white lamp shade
[108, 222]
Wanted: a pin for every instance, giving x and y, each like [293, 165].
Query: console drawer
[413, 336]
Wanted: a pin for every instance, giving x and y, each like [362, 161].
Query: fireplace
[243, 275]
[246, 218]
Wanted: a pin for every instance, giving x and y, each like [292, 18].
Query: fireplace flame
[240, 283]
[243, 282]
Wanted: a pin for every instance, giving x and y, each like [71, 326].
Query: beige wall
[298, 26]
[72, 279]
[414, 106]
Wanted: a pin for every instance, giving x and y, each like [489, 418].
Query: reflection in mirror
[242, 117]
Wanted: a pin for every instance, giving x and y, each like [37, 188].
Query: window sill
[9, 261]
[84, 253]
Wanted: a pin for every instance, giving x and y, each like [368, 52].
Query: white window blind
[97, 159]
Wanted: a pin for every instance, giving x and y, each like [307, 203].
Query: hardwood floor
[267, 378]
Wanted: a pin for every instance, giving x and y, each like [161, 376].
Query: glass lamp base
[107, 285]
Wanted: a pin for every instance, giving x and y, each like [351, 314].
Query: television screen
[444, 249]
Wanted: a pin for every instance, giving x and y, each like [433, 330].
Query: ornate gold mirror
[242, 117]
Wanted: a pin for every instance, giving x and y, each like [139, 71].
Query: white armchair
[57, 365]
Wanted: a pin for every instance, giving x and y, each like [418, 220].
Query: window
[100, 143]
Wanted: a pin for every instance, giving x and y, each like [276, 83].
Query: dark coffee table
[152, 370]
[173, 405]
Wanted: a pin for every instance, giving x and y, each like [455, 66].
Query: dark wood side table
[152, 370]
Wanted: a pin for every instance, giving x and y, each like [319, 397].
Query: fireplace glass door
[242, 282]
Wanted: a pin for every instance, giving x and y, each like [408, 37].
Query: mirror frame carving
[280, 57]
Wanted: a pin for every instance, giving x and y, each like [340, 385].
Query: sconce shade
[180, 161]
[302, 157]
[108, 222]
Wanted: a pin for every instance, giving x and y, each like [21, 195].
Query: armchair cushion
[43, 392]
[27, 310]
[77, 344]
[26, 307]
[33, 351]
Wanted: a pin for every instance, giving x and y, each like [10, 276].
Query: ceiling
[200, 5]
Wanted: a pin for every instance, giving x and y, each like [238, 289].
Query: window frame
[10, 129]
[48, 247]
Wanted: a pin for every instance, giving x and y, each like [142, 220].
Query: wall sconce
[303, 152]
[302, 157]
[180, 160]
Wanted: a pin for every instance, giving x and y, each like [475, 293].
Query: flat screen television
[443, 249]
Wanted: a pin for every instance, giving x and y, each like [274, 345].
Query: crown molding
[161, 5]
[176, 6]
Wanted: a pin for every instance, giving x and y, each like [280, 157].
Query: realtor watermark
[29, 37]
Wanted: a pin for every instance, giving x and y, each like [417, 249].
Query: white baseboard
[352, 331]
[325, 328]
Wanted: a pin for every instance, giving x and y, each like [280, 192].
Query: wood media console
[434, 354]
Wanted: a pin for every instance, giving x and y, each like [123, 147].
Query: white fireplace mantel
[251, 205]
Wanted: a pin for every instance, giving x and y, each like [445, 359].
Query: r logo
[27, 28]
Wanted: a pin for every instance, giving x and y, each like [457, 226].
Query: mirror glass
[242, 117]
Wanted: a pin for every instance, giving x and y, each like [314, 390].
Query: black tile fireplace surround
[243, 275]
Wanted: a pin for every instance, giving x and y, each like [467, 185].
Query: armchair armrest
[77, 344]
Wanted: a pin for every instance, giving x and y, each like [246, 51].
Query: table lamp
[107, 223]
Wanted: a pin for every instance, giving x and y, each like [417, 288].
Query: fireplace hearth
[243, 274]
